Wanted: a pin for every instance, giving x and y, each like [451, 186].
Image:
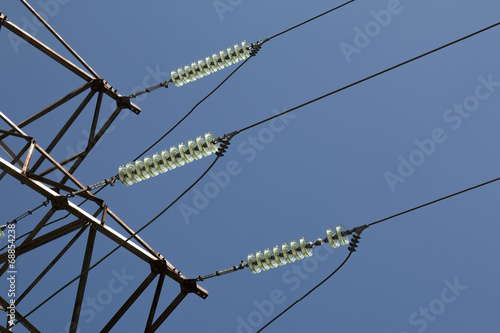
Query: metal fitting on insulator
[168, 159]
[254, 49]
[354, 242]
[199, 69]
[223, 144]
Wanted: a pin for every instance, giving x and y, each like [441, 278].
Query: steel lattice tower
[24, 165]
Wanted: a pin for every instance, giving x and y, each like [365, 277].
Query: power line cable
[435, 201]
[126, 240]
[309, 20]
[307, 294]
[371, 76]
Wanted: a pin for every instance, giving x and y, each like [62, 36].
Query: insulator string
[168, 159]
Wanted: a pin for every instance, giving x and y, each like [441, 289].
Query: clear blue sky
[344, 160]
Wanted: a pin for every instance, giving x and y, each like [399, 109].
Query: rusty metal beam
[78, 212]
[60, 168]
[49, 267]
[9, 133]
[92, 142]
[43, 152]
[131, 232]
[39, 226]
[17, 158]
[96, 115]
[10, 152]
[28, 157]
[167, 312]
[135, 295]
[66, 161]
[154, 304]
[108, 90]
[65, 128]
[60, 39]
[47, 50]
[83, 281]
[51, 107]
[44, 239]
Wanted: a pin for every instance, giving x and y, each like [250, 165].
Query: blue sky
[412, 135]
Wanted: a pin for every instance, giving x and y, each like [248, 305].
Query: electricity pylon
[24, 164]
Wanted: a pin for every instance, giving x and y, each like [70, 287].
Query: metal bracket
[104, 212]
[99, 84]
[158, 266]
[124, 103]
[2, 19]
[187, 285]
[161, 266]
[190, 286]
[59, 203]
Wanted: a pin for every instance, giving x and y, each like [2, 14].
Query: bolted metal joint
[99, 85]
[2, 19]
[255, 47]
[123, 102]
[159, 266]
[59, 203]
[190, 286]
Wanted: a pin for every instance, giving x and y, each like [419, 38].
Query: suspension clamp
[255, 47]
[224, 143]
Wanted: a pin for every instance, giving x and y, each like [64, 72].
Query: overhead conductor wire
[306, 294]
[371, 76]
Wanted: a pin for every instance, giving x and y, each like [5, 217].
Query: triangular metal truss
[24, 166]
